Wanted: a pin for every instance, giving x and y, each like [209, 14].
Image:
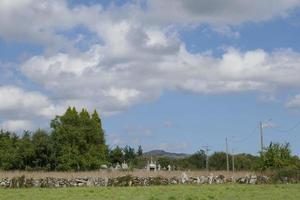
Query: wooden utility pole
[207, 157]
[261, 136]
[227, 156]
[233, 167]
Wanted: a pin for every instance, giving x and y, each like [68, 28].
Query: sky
[175, 75]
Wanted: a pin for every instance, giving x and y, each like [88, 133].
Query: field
[186, 192]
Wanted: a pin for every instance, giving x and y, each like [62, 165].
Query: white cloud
[18, 103]
[230, 12]
[34, 20]
[293, 102]
[16, 125]
[140, 54]
[122, 95]
[115, 86]
[45, 21]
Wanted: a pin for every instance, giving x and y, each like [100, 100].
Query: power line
[287, 130]
[247, 137]
[253, 132]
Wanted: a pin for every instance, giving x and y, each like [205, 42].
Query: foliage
[129, 154]
[195, 161]
[116, 155]
[43, 149]
[277, 156]
[164, 162]
[9, 157]
[126, 154]
[217, 161]
[245, 162]
[285, 176]
[140, 151]
[76, 142]
[198, 159]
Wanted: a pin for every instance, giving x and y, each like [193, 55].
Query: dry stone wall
[23, 182]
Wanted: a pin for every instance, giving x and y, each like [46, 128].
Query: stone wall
[23, 182]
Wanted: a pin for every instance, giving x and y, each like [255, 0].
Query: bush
[124, 180]
[286, 176]
[277, 156]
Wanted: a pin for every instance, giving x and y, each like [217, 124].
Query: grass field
[186, 192]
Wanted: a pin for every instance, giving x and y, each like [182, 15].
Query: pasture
[179, 192]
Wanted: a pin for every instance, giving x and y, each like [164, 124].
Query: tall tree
[26, 150]
[129, 154]
[9, 155]
[98, 126]
[140, 151]
[277, 156]
[43, 148]
[78, 140]
[116, 155]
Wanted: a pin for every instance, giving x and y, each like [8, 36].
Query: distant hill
[162, 153]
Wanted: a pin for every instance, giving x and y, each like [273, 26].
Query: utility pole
[233, 167]
[227, 157]
[261, 136]
[207, 158]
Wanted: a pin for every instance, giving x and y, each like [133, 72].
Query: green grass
[203, 192]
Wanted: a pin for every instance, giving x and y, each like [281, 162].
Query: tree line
[275, 156]
[76, 141]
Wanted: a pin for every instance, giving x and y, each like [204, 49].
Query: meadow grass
[178, 192]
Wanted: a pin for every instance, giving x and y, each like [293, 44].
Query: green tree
[116, 155]
[98, 127]
[277, 156]
[9, 157]
[25, 150]
[198, 160]
[43, 148]
[129, 154]
[78, 140]
[164, 162]
[217, 161]
[245, 162]
[140, 151]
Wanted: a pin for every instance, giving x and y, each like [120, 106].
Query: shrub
[286, 176]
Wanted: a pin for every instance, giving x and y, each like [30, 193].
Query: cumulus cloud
[16, 125]
[45, 21]
[138, 54]
[18, 103]
[120, 85]
[33, 20]
[231, 12]
[293, 102]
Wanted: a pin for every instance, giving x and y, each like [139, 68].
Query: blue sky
[173, 75]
